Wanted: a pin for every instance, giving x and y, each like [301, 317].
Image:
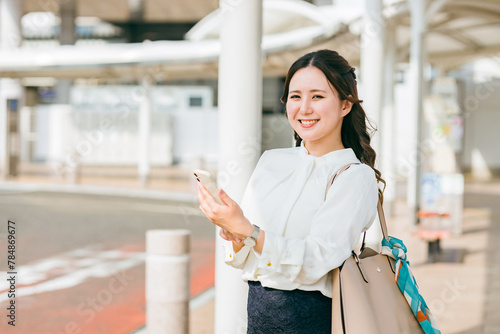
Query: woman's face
[314, 110]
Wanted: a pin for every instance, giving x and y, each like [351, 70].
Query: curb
[98, 190]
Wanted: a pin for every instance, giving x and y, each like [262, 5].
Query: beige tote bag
[366, 298]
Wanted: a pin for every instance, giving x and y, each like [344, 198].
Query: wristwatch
[251, 240]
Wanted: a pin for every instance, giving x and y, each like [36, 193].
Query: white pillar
[372, 63]
[67, 13]
[67, 36]
[388, 163]
[10, 24]
[10, 38]
[167, 281]
[144, 131]
[415, 116]
[240, 123]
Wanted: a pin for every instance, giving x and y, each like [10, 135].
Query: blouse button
[231, 255]
[269, 264]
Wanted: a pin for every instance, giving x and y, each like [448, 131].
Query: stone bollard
[167, 281]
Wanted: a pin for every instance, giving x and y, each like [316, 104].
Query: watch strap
[255, 232]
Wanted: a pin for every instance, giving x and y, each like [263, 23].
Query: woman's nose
[305, 107]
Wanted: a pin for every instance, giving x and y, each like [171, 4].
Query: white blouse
[306, 235]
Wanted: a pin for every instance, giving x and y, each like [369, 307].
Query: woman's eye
[317, 97]
[294, 97]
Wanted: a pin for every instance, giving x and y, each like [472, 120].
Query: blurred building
[56, 115]
[60, 113]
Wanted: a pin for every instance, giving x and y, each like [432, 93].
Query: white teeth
[308, 122]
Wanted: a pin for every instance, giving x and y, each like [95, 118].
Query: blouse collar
[346, 154]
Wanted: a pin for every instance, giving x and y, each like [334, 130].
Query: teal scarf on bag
[396, 249]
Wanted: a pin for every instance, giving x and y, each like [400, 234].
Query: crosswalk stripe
[70, 269]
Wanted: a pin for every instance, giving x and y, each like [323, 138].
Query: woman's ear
[346, 107]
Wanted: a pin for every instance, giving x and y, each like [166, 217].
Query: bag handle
[380, 210]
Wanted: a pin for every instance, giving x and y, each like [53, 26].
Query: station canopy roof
[122, 11]
[458, 31]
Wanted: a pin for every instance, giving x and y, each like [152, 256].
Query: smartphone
[209, 182]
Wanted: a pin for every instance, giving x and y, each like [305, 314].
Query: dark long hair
[355, 126]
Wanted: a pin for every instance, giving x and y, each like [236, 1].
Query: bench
[432, 233]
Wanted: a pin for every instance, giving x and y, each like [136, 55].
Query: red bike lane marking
[113, 304]
[202, 265]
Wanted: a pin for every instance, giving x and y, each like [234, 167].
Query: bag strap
[381, 218]
[380, 210]
[334, 176]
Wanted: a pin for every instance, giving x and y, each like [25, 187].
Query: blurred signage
[442, 201]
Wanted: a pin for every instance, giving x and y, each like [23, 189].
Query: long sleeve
[235, 259]
[349, 209]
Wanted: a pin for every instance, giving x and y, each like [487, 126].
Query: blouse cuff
[267, 259]
[236, 260]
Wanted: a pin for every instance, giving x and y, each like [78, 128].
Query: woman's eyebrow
[312, 90]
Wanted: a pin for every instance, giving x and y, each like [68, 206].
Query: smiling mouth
[308, 122]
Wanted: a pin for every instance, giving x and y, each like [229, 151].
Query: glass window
[195, 101]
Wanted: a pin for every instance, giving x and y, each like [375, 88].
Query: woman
[287, 262]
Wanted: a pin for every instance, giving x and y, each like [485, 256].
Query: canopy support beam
[11, 91]
[372, 78]
[415, 108]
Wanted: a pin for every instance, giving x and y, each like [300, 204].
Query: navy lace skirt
[272, 311]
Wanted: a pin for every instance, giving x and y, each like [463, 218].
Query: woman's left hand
[228, 216]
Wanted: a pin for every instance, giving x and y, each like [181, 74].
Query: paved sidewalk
[464, 297]
[170, 182]
[167, 178]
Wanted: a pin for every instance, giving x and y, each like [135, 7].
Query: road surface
[79, 259]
